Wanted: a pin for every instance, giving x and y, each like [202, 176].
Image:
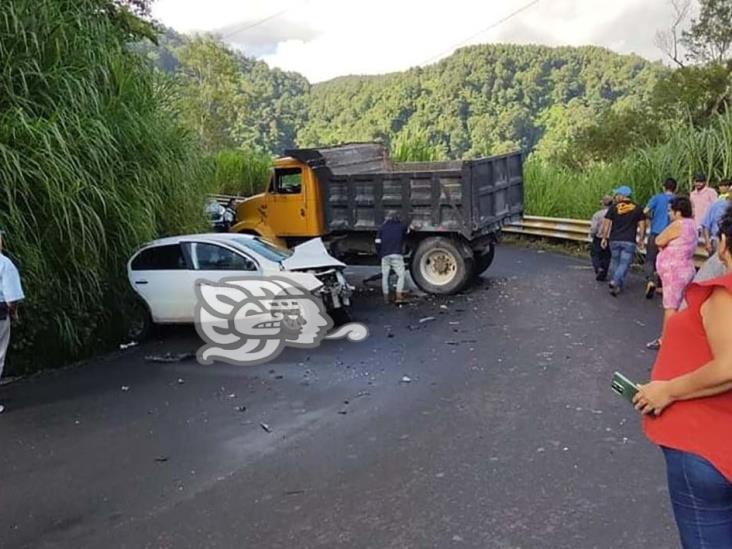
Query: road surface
[506, 437]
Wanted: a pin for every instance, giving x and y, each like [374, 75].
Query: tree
[693, 93]
[212, 98]
[709, 38]
[669, 41]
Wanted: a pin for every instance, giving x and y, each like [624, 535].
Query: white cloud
[326, 38]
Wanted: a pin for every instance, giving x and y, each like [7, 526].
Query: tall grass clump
[240, 172]
[413, 147]
[557, 191]
[93, 162]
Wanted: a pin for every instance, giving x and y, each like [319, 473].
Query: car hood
[310, 255]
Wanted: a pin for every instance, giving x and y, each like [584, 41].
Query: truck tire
[440, 266]
[484, 260]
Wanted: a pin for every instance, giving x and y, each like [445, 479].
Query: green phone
[624, 387]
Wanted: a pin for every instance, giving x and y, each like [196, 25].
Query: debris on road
[125, 388]
[124, 346]
[241, 408]
[426, 319]
[170, 357]
[180, 381]
[265, 427]
[294, 492]
[343, 412]
[161, 459]
[406, 379]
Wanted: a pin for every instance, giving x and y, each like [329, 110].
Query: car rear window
[160, 258]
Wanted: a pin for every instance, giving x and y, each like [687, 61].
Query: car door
[162, 275]
[214, 262]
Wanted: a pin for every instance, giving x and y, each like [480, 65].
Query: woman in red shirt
[688, 407]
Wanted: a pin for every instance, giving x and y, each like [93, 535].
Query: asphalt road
[507, 436]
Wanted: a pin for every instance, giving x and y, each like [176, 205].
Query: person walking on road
[620, 232]
[675, 263]
[390, 244]
[11, 293]
[702, 197]
[690, 396]
[658, 213]
[600, 256]
[710, 223]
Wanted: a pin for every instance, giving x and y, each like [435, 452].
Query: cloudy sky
[326, 38]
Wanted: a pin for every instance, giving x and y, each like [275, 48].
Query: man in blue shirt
[390, 243]
[710, 223]
[11, 293]
[657, 212]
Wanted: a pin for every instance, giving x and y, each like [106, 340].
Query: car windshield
[264, 248]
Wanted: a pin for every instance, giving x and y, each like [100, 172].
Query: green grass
[241, 172]
[93, 162]
[556, 191]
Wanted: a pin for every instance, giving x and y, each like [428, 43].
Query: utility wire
[489, 27]
[248, 26]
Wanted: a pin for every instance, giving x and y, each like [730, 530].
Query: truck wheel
[439, 267]
[483, 261]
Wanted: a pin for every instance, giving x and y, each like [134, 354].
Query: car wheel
[340, 316]
[140, 325]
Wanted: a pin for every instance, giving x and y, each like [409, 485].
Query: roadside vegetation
[93, 162]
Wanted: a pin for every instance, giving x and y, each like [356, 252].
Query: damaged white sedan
[164, 273]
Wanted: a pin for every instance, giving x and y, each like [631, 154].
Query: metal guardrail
[223, 199]
[575, 230]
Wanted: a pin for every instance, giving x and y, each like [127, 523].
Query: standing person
[675, 262]
[710, 223]
[691, 395]
[658, 212]
[600, 256]
[620, 229]
[702, 197]
[229, 216]
[11, 293]
[390, 243]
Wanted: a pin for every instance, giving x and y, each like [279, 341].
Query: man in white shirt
[11, 293]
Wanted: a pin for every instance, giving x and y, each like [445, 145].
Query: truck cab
[290, 210]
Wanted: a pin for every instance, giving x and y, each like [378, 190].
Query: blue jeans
[702, 501]
[622, 257]
[393, 262]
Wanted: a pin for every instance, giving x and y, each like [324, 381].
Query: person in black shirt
[390, 243]
[620, 232]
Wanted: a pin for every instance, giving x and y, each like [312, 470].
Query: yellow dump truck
[344, 193]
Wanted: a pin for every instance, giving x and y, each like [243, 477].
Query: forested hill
[482, 99]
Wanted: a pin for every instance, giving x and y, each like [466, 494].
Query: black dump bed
[360, 186]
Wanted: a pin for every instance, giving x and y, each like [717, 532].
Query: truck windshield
[265, 249]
